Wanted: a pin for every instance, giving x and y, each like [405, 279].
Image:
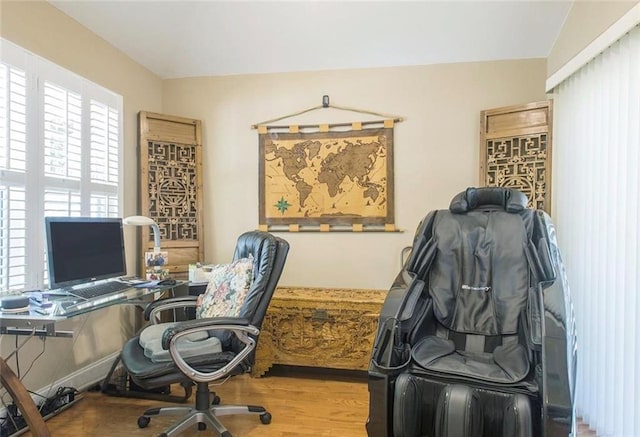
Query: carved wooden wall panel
[318, 327]
[516, 150]
[171, 185]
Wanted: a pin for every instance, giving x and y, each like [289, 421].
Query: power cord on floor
[14, 422]
[63, 396]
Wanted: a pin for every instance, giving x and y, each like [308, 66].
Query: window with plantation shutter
[60, 155]
[62, 132]
[105, 128]
[13, 84]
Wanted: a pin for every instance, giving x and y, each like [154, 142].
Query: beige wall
[45, 31]
[436, 150]
[585, 22]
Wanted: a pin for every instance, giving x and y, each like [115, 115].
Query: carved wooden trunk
[331, 328]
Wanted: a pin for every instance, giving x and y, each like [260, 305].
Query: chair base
[203, 414]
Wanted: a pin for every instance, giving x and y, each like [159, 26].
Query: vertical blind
[597, 191]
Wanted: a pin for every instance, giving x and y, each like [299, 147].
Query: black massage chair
[476, 336]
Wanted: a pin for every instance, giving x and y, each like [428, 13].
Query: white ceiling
[179, 38]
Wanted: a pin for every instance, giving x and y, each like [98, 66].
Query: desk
[33, 323]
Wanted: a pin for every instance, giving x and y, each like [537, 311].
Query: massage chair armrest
[559, 366]
[243, 330]
[391, 350]
[401, 306]
[168, 303]
[557, 408]
[559, 345]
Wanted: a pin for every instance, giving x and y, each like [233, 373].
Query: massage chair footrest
[517, 417]
[459, 412]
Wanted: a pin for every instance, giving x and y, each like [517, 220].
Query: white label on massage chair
[469, 287]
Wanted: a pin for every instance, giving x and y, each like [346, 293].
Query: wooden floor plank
[302, 405]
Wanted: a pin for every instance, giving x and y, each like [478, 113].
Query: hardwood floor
[303, 404]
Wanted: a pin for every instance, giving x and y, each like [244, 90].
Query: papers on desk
[46, 294]
[41, 301]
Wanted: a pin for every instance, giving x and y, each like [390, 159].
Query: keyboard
[102, 289]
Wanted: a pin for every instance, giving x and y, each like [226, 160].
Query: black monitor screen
[83, 249]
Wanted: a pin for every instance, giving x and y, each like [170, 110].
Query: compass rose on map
[282, 205]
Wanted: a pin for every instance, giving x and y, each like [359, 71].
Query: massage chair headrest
[510, 200]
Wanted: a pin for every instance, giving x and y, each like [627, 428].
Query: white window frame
[38, 70]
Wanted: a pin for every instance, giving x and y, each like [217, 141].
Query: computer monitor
[84, 249]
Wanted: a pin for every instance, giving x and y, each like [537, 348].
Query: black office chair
[229, 348]
[477, 336]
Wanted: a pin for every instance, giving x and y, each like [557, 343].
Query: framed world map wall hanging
[319, 178]
[328, 180]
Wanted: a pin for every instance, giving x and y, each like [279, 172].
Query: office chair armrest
[208, 324]
[240, 327]
[168, 303]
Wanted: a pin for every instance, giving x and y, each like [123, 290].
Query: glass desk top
[65, 306]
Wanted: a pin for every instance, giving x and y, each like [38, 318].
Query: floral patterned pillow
[227, 289]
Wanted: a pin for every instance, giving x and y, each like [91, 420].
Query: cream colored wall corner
[585, 22]
[436, 151]
[44, 30]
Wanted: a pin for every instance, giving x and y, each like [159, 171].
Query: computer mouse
[168, 281]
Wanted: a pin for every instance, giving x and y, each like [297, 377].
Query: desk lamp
[140, 220]
[157, 271]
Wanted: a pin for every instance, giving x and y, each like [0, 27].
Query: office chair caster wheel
[215, 400]
[143, 421]
[202, 426]
[265, 418]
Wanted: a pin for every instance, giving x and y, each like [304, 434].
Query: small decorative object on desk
[199, 274]
[155, 262]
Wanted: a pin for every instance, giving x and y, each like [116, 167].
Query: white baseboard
[81, 379]
[88, 376]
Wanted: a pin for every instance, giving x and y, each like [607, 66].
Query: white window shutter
[62, 132]
[60, 147]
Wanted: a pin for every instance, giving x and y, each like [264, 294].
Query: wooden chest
[319, 327]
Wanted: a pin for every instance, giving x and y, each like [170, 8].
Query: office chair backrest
[269, 255]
